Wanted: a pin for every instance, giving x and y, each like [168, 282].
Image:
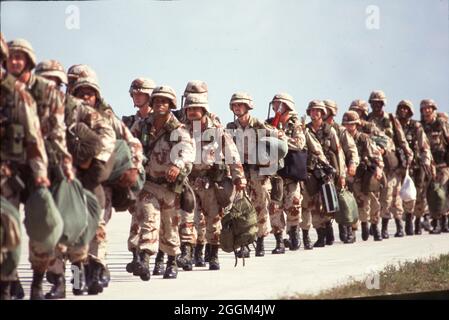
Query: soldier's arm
[336, 146]
[314, 147]
[349, 148]
[297, 140]
[232, 157]
[182, 155]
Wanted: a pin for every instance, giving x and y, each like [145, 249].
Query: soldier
[328, 139]
[50, 107]
[370, 159]
[351, 156]
[389, 196]
[259, 186]
[290, 203]
[362, 108]
[421, 168]
[140, 91]
[210, 169]
[170, 152]
[18, 112]
[437, 131]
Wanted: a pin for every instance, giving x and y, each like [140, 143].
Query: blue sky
[318, 49]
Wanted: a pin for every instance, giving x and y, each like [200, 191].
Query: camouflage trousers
[14, 199]
[313, 212]
[98, 245]
[39, 256]
[207, 205]
[159, 209]
[390, 201]
[72, 253]
[187, 230]
[259, 188]
[367, 203]
[290, 204]
[200, 227]
[442, 177]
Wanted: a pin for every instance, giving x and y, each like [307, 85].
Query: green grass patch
[406, 277]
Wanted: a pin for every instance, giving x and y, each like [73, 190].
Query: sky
[322, 49]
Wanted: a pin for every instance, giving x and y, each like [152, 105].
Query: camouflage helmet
[331, 107]
[428, 103]
[242, 97]
[406, 103]
[196, 100]
[166, 92]
[51, 68]
[377, 95]
[351, 117]
[144, 85]
[286, 99]
[24, 46]
[80, 71]
[361, 105]
[195, 86]
[90, 82]
[4, 51]
[316, 104]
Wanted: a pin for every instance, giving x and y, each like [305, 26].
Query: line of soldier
[177, 209]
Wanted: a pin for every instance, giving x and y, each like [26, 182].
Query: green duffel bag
[93, 217]
[123, 160]
[436, 199]
[348, 212]
[10, 237]
[239, 225]
[69, 198]
[43, 220]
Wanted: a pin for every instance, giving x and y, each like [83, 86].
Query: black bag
[369, 181]
[295, 165]
[329, 197]
[122, 198]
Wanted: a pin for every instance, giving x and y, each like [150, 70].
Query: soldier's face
[427, 112]
[195, 113]
[404, 112]
[316, 114]
[377, 106]
[55, 80]
[161, 105]
[140, 99]
[16, 62]
[351, 127]
[239, 109]
[88, 94]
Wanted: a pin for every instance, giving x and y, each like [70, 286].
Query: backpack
[239, 225]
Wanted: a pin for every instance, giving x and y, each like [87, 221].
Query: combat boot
[409, 224]
[184, 261]
[93, 271]
[418, 225]
[342, 233]
[105, 276]
[365, 231]
[329, 234]
[385, 234]
[159, 268]
[436, 226]
[243, 252]
[57, 291]
[399, 229]
[425, 224]
[79, 284]
[214, 264]
[260, 248]
[145, 262]
[293, 234]
[350, 238]
[280, 247]
[444, 226]
[207, 253]
[16, 290]
[36, 286]
[321, 242]
[171, 272]
[136, 260]
[306, 240]
[5, 290]
[199, 260]
[376, 234]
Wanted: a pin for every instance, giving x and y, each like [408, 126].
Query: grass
[407, 277]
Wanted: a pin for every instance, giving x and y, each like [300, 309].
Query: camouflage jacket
[368, 151]
[50, 109]
[212, 152]
[329, 141]
[293, 131]
[418, 142]
[171, 145]
[437, 132]
[348, 144]
[80, 112]
[122, 132]
[19, 107]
